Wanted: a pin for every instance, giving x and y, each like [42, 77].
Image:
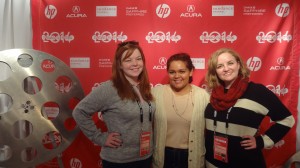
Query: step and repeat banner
[85, 34]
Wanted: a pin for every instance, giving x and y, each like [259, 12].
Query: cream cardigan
[196, 136]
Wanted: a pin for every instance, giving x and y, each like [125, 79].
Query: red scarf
[222, 101]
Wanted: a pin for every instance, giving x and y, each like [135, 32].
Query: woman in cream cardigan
[179, 118]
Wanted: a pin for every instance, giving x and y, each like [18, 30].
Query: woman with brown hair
[127, 108]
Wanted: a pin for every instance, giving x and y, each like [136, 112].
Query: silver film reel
[38, 93]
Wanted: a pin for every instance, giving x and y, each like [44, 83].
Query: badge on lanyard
[221, 148]
[145, 143]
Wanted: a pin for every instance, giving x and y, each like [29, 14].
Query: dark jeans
[137, 164]
[176, 158]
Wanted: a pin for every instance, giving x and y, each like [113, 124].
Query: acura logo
[190, 8]
[76, 9]
[162, 60]
[280, 61]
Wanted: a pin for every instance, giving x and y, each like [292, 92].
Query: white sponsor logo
[160, 37]
[134, 11]
[50, 11]
[280, 61]
[222, 10]
[76, 9]
[191, 12]
[63, 87]
[162, 61]
[272, 37]
[216, 37]
[163, 10]
[56, 37]
[253, 11]
[79, 62]
[52, 137]
[76, 13]
[254, 63]
[75, 163]
[106, 11]
[282, 10]
[105, 63]
[107, 37]
[280, 66]
[48, 65]
[199, 63]
[51, 112]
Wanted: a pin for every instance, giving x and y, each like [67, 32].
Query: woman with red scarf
[235, 112]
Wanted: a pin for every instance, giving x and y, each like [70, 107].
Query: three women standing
[231, 116]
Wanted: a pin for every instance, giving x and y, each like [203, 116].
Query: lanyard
[227, 119]
[142, 111]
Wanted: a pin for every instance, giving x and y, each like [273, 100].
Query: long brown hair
[119, 80]
[211, 75]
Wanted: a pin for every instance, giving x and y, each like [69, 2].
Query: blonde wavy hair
[211, 77]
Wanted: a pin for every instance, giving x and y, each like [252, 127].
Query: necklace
[180, 114]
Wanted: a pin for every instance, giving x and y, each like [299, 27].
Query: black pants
[176, 158]
[137, 164]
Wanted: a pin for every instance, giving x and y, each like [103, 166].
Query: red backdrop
[84, 35]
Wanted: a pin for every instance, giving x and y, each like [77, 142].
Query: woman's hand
[248, 142]
[113, 140]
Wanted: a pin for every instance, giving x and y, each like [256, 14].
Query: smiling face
[227, 69]
[179, 75]
[132, 66]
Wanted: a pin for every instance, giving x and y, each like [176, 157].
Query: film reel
[38, 93]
